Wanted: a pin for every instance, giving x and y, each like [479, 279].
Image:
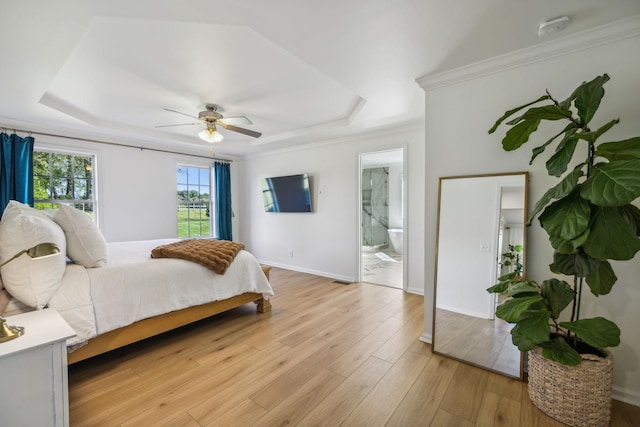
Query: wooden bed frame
[152, 326]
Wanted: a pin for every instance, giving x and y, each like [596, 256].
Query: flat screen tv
[287, 193]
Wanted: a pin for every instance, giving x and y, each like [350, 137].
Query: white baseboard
[465, 312]
[417, 291]
[426, 337]
[632, 397]
[309, 271]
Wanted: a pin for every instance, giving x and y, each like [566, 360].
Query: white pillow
[33, 281]
[85, 243]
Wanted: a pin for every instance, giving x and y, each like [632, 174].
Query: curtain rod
[115, 144]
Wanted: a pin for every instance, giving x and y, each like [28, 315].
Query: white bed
[133, 286]
[115, 293]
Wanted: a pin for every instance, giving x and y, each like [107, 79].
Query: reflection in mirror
[480, 237]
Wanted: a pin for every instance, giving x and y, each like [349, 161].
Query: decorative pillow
[85, 243]
[33, 281]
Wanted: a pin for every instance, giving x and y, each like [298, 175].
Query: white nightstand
[33, 371]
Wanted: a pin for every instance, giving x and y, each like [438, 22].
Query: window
[194, 203]
[64, 178]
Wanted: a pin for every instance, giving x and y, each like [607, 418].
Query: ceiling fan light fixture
[210, 134]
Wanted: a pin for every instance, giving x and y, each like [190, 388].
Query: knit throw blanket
[216, 255]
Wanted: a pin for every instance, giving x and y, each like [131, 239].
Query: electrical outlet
[291, 254]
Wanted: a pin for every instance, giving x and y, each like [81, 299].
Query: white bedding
[132, 286]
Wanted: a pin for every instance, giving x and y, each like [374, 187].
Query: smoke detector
[553, 26]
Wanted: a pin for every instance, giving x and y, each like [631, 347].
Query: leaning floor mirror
[480, 236]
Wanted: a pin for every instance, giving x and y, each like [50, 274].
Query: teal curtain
[222, 173]
[16, 169]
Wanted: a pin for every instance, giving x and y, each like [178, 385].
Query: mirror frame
[525, 175]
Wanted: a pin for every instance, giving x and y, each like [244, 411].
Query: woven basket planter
[575, 395]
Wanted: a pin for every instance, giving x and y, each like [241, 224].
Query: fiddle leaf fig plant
[588, 216]
[513, 259]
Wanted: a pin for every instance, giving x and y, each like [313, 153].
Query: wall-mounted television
[287, 193]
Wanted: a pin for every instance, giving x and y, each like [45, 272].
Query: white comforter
[133, 286]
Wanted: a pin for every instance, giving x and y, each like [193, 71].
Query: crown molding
[393, 129]
[605, 34]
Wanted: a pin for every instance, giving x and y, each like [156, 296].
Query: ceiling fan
[212, 118]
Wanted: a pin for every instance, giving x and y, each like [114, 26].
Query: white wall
[325, 242]
[463, 105]
[136, 188]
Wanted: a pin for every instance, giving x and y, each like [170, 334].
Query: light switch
[484, 247]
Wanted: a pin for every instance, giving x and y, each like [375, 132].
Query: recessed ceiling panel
[124, 72]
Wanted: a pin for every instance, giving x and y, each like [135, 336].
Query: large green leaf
[522, 289]
[602, 280]
[612, 236]
[567, 218]
[515, 110]
[569, 130]
[546, 112]
[627, 149]
[508, 277]
[561, 352]
[558, 294]
[560, 190]
[519, 134]
[557, 164]
[522, 342]
[498, 288]
[566, 104]
[632, 214]
[532, 328]
[506, 281]
[513, 309]
[613, 184]
[597, 332]
[568, 247]
[578, 264]
[588, 97]
[593, 136]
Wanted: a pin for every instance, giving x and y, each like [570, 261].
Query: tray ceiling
[301, 71]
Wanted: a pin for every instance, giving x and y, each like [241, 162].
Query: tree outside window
[194, 202]
[64, 178]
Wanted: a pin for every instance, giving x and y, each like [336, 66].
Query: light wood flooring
[328, 354]
[482, 342]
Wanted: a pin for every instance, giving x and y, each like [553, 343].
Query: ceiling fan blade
[181, 124]
[240, 130]
[236, 120]
[184, 114]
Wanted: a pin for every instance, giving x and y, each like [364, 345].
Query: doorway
[382, 218]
